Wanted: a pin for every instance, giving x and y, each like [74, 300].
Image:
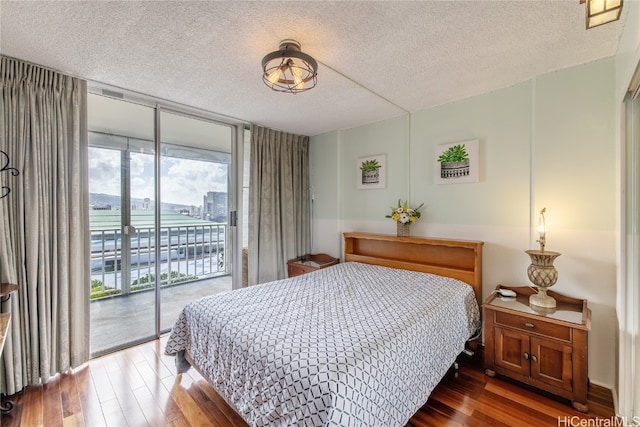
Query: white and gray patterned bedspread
[348, 345]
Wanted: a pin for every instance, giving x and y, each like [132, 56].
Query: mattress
[351, 344]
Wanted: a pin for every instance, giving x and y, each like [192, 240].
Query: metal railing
[187, 253]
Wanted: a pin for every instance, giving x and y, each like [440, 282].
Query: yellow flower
[405, 214]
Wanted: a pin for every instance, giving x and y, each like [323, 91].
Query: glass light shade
[601, 12]
[297, 76]
[275, 75]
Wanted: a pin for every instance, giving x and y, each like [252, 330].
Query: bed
[363, 342]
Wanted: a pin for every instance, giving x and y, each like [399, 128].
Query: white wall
[628, 295]
[548, 142]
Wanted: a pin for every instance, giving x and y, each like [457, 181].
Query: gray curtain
[279, 205]
[44, 222]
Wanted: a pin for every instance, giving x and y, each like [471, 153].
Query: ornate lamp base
[543, 274]
[541, 299]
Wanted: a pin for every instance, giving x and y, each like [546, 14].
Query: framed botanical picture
[371, 172]
[457, 162]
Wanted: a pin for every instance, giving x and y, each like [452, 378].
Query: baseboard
[614, 397]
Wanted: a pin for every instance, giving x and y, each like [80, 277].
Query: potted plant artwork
[370, 171]
[454, 162]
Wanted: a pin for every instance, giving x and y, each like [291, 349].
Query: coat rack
[5, 189]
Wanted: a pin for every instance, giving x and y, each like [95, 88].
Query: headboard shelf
[459, 259]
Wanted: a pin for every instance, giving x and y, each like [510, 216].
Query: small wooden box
[308, 263]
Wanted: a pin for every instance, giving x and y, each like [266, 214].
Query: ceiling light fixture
[601, 12]
[289, 69]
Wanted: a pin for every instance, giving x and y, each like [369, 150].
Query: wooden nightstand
[545, 348]
[309, 263]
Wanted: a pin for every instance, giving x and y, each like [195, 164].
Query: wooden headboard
[459, 259]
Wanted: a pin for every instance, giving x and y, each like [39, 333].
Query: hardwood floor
[139, 387]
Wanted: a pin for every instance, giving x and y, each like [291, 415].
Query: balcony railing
[187, 253]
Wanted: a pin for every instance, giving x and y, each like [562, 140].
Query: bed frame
[459, 259]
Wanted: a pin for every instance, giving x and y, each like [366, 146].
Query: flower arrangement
[403, 214]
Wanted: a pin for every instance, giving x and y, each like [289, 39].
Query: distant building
[214, 206]
[100, 207]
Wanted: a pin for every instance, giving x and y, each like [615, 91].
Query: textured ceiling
[377, 59]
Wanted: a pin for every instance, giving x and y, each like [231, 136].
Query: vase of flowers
[403, 230]
[404, 216]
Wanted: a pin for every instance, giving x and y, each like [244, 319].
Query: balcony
[189, 250]
[123, 270]
[110, 315]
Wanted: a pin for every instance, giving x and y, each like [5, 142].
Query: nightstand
[309, 263]
[541, 347]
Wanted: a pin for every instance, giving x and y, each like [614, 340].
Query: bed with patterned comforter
[348, 345]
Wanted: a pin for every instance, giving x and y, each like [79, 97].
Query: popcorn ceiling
[207, 54]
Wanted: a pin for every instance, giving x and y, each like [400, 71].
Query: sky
[183, 181]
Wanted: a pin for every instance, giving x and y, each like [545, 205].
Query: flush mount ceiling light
[601, 12]
[289, 69]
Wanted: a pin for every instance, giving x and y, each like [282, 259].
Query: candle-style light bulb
[542, 230]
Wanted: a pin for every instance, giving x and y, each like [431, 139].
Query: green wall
[388, 137]
[501, 122]
[574, 150]
[547, 142]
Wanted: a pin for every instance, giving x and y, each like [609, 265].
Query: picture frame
[371, 172]
[457, 162]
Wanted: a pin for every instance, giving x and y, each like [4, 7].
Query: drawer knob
[534, 359]
[526, 356]
[529, 325]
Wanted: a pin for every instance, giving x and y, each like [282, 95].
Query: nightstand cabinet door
[512, 351]
[551, 363]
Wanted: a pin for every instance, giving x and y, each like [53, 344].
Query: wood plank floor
[139, 387]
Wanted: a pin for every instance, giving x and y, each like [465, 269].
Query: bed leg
[182, 364]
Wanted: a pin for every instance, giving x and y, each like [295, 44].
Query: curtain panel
[44, 222]
[279, 206]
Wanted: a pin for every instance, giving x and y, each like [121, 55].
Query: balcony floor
[120, 320]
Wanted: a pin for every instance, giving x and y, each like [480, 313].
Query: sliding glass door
[122, 221]
[161, 189]
[195, 177]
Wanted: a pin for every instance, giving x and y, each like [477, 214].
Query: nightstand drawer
[308, 263]
[296, 269]
[533, 326]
